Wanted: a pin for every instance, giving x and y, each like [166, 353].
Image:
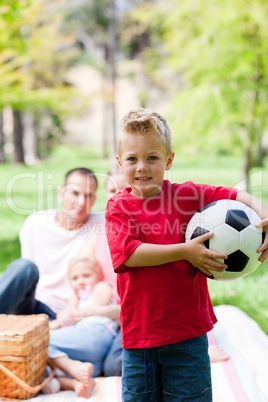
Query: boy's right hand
[203, 258]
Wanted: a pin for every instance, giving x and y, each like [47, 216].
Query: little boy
[165, 306]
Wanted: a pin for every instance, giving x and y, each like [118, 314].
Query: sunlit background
[71, 69]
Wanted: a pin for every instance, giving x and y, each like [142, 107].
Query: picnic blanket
[243, 378]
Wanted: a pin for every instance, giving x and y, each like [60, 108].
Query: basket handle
[25, 386]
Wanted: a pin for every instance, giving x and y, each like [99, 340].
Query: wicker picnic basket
[23, 355]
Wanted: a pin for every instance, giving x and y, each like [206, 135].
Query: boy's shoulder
[189, 185]
[181, 187]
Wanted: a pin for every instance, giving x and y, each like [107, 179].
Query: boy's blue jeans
[178, 372]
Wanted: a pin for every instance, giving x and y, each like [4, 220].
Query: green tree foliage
[34, 57]
[94, 24]
[11, 9]
[216, 53]
[31, 69]
[90, 22]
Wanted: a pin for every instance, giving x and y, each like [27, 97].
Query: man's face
[78, 196]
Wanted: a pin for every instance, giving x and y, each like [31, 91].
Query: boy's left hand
[263, 249]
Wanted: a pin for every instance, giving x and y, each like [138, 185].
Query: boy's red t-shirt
[168, 303]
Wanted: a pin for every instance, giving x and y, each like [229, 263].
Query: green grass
[25, 189]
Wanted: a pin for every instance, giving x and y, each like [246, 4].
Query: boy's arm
[194, 251]
[253, 203]
[262, 211]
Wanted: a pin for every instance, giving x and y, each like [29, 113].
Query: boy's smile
[144, 162]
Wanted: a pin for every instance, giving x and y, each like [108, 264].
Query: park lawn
[26, 189]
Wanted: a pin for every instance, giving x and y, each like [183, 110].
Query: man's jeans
[113, 362]
[17, 290]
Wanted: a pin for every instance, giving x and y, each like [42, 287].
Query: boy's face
[143, 162]
[81, 275]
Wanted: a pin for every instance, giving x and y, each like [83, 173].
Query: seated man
[36, 283]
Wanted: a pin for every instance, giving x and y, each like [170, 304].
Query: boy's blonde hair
[90, 260]
[145, 121]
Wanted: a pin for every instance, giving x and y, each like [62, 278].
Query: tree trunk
[18, 137]
[247, 167]
[30, 139]
[105, 120]
[263, 148]
[113, 48]
[110, 55]
[2, 153]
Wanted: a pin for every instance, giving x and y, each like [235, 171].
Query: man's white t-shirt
[50, 247]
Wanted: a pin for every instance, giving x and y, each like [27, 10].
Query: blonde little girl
[88, 340]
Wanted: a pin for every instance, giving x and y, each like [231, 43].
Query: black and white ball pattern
[234, 234]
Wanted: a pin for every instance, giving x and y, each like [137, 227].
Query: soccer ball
[234, 234]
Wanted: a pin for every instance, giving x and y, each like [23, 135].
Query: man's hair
[83, 171]
[145, 121]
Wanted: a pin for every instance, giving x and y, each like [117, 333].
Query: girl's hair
[114, 170]
[90, 260]
[145, 121]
